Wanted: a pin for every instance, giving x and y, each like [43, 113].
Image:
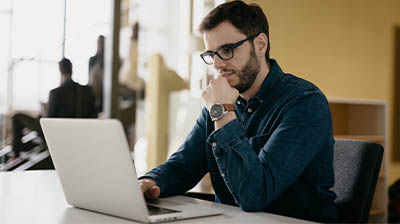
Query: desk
[37, 197]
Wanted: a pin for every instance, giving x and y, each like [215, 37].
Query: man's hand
[149, 188]
[43, 109]
[219, 91]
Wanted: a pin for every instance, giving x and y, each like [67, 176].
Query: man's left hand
[219, 91]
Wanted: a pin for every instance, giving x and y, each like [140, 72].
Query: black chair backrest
[356, 166]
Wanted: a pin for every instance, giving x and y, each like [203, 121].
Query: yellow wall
[346, 47]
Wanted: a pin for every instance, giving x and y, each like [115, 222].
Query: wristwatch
[218, 110]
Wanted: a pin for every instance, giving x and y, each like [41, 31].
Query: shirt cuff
[227, 135]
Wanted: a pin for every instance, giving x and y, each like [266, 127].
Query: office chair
[356, 165]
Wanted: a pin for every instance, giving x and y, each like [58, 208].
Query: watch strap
[228, 107]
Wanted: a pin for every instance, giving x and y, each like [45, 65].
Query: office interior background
[349, 48]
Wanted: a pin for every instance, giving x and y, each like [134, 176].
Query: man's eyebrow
[226, 45]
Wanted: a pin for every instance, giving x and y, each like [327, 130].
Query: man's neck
[253, 90]
[64, 78]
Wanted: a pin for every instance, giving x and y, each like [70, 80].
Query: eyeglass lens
[224, 53]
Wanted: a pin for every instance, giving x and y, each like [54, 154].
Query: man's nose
[218, 62]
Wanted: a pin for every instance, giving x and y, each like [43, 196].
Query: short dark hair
[65, 66]
[248, 18]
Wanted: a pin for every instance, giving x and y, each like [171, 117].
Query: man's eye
[225, 51]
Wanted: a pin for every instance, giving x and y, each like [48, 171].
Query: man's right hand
[149, 188]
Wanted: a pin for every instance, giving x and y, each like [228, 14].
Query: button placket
[216, 152]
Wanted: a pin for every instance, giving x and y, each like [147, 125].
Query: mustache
[223, 72]
[226, 70]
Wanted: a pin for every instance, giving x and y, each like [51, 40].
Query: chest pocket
[259, 141]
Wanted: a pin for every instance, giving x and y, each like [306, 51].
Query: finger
[143, 185]
[212, 81]
[147, 194]
[152, 193]
[205, 93]
[155, 192]
[222, 79]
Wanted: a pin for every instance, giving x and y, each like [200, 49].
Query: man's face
[241, 70]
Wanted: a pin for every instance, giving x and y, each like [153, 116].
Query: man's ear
[261, 44]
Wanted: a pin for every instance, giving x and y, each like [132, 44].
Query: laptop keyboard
[153, 210]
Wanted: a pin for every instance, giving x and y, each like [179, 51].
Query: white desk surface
[37, 197]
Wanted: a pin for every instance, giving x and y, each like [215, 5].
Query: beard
[248, 73]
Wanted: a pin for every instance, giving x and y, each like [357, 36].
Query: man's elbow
[253, 206]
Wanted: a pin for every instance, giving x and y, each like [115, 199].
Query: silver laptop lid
[103, 185]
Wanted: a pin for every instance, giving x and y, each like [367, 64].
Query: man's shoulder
[292, 89]
[298, 82]
[92, 58]
[85, 88]
[66, 86]
[55, 90]
[284, 83]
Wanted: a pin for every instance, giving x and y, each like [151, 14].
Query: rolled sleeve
[256, 179]
[227, 135]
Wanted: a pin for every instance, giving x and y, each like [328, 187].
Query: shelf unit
[364, 120]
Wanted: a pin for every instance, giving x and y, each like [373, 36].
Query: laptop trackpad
[188, 209]
[155, 210]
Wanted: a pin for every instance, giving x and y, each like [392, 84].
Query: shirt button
[222, 175]
[249, 110]
[214, 144]
[238, 102]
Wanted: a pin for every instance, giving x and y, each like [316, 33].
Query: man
[98, 58]
[269, 147]
[69, 100]
[129, 80]
[96, 73]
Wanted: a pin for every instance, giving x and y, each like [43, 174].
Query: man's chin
[232, 79]
[232, 83]
[241, 89]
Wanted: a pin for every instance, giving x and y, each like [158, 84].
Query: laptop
[97, 173]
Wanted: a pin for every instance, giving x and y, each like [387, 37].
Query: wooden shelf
[377, 211]
[372, 138]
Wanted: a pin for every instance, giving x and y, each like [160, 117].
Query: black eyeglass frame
[230, 47]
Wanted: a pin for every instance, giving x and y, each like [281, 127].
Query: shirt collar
[272, 78]
[274, 75]
[241, 102]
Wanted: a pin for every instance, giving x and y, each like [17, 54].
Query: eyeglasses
[225, 52]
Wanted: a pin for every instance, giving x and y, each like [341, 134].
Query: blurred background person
[69, 100]
[96, 73]
[131, 86]
[130, 82]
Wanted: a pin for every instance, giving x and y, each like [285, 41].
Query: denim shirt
[277, 156]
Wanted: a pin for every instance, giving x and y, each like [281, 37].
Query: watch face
[216, 111]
